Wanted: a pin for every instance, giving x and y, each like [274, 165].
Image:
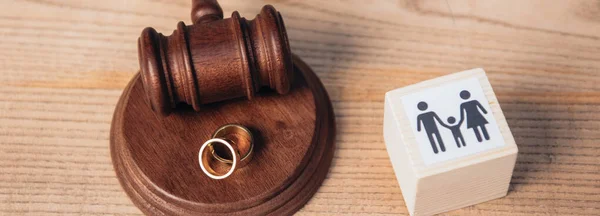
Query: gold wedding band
[240, 144]
[203, 158]
[239, 136]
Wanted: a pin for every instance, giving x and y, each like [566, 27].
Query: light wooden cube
[436, 179]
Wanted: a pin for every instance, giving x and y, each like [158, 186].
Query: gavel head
[215, 59]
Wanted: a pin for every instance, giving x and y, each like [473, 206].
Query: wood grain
[65, 64]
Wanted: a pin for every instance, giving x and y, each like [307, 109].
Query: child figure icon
[455, 129]
[471, 111]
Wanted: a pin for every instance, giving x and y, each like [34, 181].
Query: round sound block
[156, 158]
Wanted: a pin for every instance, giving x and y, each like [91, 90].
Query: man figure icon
[429, 123]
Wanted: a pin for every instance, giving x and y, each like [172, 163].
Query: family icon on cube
[472, 110]
[420, 123]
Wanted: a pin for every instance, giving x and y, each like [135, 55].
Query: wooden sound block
[156, 157]
[449, 142]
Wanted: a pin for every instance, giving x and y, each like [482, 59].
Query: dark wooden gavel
[214, 59]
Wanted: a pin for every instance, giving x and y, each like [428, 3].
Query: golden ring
[203, 158]
[241, 137]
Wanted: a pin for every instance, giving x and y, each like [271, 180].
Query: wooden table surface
[65, 63]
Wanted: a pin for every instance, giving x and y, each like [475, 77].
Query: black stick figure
[428, 119]
[458, 137]
[475, 119]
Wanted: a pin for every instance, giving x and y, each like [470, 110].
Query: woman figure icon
[475, 120]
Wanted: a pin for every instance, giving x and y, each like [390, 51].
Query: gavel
[214, 59]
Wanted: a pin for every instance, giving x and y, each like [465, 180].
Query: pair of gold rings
[230, 147]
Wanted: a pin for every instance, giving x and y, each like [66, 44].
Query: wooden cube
[448, 142]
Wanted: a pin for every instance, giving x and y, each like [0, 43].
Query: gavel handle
[206, 11]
